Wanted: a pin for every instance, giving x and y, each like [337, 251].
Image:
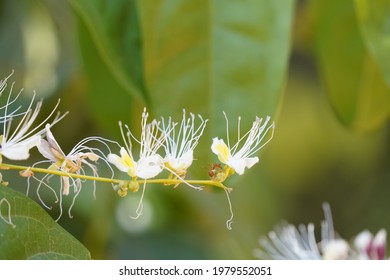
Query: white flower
[70, 163]
[149, 164]
[241, 155]
[75, 161]
[291, 243]
[179, 145]
[371, 247]
[16, 142]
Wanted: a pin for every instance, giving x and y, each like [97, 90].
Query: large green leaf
[214, 56]
[35, 235]
[374, 19]
[356, 88]
[107, 100]
[113, 27]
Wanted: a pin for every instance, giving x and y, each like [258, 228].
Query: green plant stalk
[218, 184]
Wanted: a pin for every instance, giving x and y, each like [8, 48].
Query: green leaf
[354, 85]
[374, 20]
[107, 100]
[113, 27]
[215, 56]
[35, 235]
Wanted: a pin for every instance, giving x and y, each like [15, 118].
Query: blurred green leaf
[214, 56]
[107, 100]
[113, 27]
[355, 87]
[374, 20]
[36, 235]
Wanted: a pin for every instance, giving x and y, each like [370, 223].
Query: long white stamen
[230, 220]
[227, 129]
[140, 204]
[181, 179]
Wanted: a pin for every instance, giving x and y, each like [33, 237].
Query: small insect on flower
[241, 155]
[16, 142]
[215, 171]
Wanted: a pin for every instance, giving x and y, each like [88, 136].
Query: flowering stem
[111, 180]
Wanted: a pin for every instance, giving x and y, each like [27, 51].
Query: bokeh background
[319, 68]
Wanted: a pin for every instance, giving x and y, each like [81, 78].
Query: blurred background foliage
[320, 68]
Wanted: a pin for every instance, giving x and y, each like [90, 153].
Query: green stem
[112, 180]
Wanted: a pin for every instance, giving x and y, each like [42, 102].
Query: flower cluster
[20, 134]
[164, 145]
[290, 243]
[178, 140]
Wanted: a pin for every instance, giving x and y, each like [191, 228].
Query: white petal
[251, 161]
[221, 150]
[187, 158]
[44, 149]
[180, 164]
[214, 145]
[118, 162]
[16, 152]
[52, 141]
[238, 165]
[149, 167]
[380, 238]
[21, 150]
[363, 241]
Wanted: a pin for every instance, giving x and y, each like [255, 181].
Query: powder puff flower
[179, 145]
[291, 243]
[15, 143]
[369, 247]
[241, 155]
[149, 164]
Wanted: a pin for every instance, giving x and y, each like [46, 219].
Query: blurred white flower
[369, 247]
[291, 243]
[241, 155]
[179, 145]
